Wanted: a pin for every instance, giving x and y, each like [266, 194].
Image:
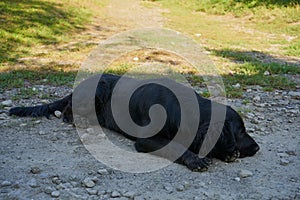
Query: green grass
[242, 36]
[18, 78]
[269, 25]
[29, 24]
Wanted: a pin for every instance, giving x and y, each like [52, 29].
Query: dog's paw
[67, 118]
[232, 156]
[197, 164]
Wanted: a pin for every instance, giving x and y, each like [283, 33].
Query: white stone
[7, 103]
[55, 194]
[57, 113]
[245, 173]
[267, 73]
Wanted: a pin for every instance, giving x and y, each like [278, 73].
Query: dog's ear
[103, 92]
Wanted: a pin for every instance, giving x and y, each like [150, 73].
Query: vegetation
[245, 38]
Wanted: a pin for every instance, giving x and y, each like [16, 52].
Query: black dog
[233, 142]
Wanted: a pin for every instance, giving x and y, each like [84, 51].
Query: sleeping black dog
[233, 142]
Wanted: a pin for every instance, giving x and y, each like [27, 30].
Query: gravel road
[44, 159]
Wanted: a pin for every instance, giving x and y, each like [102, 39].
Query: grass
[39, 38]
[18, 78]
[238, 34]
[247, 24]
[242, 36]
[27, 24]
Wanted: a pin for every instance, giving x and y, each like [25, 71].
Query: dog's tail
[41, 110]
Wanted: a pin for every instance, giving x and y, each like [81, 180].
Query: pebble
[48, 190]
[255, 121]
[35, 170]
[295, 95]
[56, 180]
[115, 194]
[3, 116]
[129, 194]
[256, 98]
[33, 183]
[291, 152]
[284, 162]
[42, 132]
[88, 183]
[55, 194]
[6, 183]
[103, 171]
[236, 85]
[281, 155]
[7, 103]
[180, 188]
[245, 173]
[267, 73]
[198, 34]
[168, 188]
[91, 191]
[237, 178]
[57, 113]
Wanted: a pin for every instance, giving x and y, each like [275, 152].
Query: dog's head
[234, 138]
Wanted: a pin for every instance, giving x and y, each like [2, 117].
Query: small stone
[129, 194]
[48, 190]
[42, 132]
[33, 183]
[3, 116]
[57, 113]
[91, 191]
[35, 170]
[115, 194]
[236, 85]
[23, 124]
[245, 173]
[267, 73]
[88, 183]
[198, 34]
[168, 188]
[294, 94]
[237, 179]
[255, 121]
[102, 172]
[256, 98]
[291, 152]
[7, 103]
[180, 188]
[101, 192]
[284, 162]
[6, 183]
[56, 180]
[281, 155]
[135, 58]
[55, 194]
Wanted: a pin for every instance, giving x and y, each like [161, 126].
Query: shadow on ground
[24, 23]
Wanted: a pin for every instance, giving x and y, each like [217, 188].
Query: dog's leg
[188, 158]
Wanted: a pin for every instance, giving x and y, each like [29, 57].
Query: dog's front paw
[197, 164]
[232, 156]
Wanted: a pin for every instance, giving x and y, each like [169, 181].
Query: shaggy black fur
[234, 142]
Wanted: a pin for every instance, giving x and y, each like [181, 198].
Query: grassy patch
[41, 41]
[18, 78]
[27, 24]
[271, 26]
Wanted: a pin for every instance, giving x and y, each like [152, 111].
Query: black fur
[234, 142]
